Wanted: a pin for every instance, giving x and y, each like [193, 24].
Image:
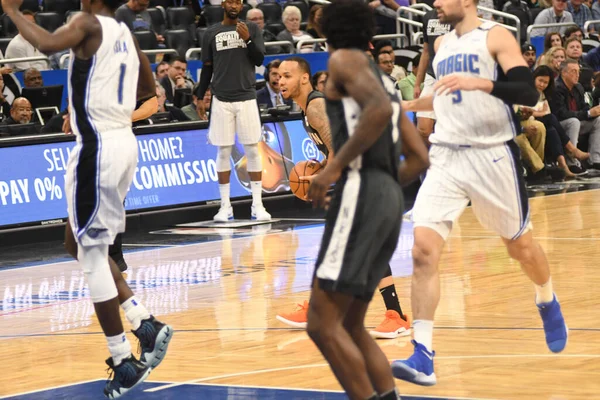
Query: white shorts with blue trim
[490, 178]
[227, 119]
[99, 174]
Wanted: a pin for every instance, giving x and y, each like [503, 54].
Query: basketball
[303, 168]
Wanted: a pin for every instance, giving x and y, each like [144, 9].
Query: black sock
[393, 395]
[391, 299]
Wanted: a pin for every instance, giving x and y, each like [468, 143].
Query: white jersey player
[107, 74]
[473, 156]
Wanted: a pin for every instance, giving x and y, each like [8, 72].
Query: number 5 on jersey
[456, 97]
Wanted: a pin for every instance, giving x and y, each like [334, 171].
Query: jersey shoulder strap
[315, 94]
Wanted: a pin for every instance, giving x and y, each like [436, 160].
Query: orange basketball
[303, 168]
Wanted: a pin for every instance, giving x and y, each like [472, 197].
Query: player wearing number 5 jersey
[474, 158]
[364, 217]
[106, 67]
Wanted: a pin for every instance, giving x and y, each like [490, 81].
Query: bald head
[256, 15]
[21, 111]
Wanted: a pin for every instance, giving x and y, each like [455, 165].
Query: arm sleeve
[256, 46]
[517, 88]
[205, 77]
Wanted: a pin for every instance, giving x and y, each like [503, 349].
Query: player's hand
[66, 127]
[11, 5]
[453, 82]
[417, 91]
[320, 184]
[242, 30]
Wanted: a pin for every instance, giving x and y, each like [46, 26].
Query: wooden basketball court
[222, 296]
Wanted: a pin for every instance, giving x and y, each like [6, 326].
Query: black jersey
[312, 132]
[384, 154]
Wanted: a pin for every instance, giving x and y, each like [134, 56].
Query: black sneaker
[154, 337]
[125, 376]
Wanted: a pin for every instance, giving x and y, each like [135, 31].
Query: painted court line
[52, 388]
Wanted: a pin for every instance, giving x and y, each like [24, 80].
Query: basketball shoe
[392, 326]
[225, 214]
[554, 325]
[154, 337]
[125, 376]
[297, 318]
[259, 213]
[417, 369]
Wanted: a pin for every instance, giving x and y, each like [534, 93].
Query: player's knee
[522, 250]
[424, 256]
[94, 262]
[318, 329]
[254, 164]
[223, 158]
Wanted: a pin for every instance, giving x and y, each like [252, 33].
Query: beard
[232, 14]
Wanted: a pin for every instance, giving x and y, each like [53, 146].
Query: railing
[417, 38]
[409, 12]
[324, 2]
[191, 51]
[25, 59]
[587, 24]
[553, 25]
[423, 6]
[307, 41]
[400, 36]
[160, 51]
[516, 28]
[283, 43]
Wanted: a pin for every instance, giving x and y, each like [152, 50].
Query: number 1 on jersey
[121, 79]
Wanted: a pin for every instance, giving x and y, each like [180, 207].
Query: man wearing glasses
[256, 15]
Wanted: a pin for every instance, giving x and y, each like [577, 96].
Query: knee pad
[223, 158]
[94, 262]
[254, 164]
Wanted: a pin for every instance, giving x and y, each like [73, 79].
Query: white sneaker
[225, 214]
[260, 214]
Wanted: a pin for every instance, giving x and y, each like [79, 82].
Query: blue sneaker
[154, 337]
[554, 325]
[124, 377]
[418, 369]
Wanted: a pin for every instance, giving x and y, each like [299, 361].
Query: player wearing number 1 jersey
[364, 217]
[474, 158]
[103, 80]
[295, 84]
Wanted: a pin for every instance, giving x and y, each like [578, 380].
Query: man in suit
[175, 78]
[270, 94]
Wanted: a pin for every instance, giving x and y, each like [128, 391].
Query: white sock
[544, 293]
[224, 191]
[119, 347]
[423, 332]
[256, 193]
[135, 312]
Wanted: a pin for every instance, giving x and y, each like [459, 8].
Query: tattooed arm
[317, 118]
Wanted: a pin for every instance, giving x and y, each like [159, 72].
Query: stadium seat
[158, 20]
[49, 20]
[200, 35]
[162, 3]
[302, 6]
[275, 28]
[9, 29]
[31, 5]
[146, 40]
[179, 18]
[60, 6]
[405, 56]
[589, 45]
[245, 9]
[212, 14]
[272, 12]
[178, 39]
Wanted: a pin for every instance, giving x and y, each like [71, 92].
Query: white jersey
[102, 90]
[470, 118]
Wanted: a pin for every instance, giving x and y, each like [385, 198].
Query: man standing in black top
[432, 29]
[231, 50]
[364, 217]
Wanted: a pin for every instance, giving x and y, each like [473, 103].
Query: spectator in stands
[314, 29]
[574, 51]
[554, 58]
[575, 116]
[20, 48]
[553, 39]
[161, 70]
[32, 78]
[385, 13]
[529, 54]
[580, 12]
[175, 114]
[4, 101]
[406, 86]
[386, 64]
[553, 15]
[574, 32]
[20, 112]
[291, 18]
[596, 91]
[198, 110]
[319, 79]
[135, 15]
[531, 141]
[385, 46]
[270, 94]
[256, 15]
[596, 13]
[175, 78]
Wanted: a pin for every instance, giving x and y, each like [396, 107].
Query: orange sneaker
[392, 326]
[297, 318]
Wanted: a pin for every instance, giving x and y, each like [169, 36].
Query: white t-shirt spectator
[19, 48]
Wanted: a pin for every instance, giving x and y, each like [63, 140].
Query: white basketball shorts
[427, 91]
[99, 174]
[491, 178]
[227, 118]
